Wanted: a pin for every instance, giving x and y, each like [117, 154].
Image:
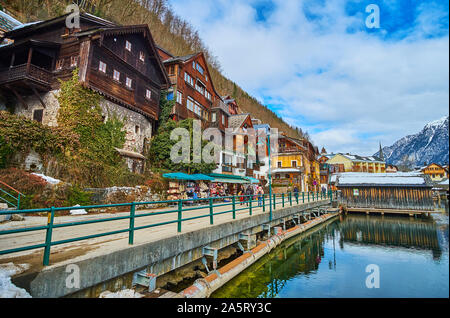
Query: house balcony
[21, 76]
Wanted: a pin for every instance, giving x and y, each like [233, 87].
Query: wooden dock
[389, 211]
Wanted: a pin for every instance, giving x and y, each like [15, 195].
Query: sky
[319, 67]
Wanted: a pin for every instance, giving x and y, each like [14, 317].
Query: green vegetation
[161, 146]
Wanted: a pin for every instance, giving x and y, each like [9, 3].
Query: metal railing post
[48, 236]
[234, 207]
[211, 212]
[180, 214]
[264, 203]
[282, 200]
[308, 196]
[131, 229]
[290, 198]
[18, 202]
[303, 196]
[250, 205]
[274, 201]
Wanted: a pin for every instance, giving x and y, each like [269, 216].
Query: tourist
[296, 193]
[260, 193]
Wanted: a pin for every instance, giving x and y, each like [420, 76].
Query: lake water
[410, 255]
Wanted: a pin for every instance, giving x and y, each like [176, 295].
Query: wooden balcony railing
[25, 71]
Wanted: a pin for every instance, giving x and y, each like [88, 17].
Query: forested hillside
[169, 31]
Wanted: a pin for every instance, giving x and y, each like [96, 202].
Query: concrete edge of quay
[204, 287]
[51, 282]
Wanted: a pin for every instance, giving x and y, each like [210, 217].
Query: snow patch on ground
[126, 293]
[7, 288]
[47, 178]
[79, 211]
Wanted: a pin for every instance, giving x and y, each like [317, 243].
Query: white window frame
[148, 94]
[128, 45]
[223, 119]
[142, 56]
[213, 117]
[117, 78]
[179, 97]
[102, 67]
[129, 82]
[190, 103]
[292, 163]
[74, 61]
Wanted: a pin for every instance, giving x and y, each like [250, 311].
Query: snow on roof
[381, 179]
[25, 25]
[445, 182]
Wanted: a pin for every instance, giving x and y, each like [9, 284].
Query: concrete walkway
[76, 251]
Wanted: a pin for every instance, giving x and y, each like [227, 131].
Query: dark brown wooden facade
[46, 52]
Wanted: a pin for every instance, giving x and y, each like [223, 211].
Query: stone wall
[137, 126]
[115, 195]
[50, 100]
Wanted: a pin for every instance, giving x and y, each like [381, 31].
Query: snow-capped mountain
[429, 145]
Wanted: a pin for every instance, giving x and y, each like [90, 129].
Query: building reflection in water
[303, 254]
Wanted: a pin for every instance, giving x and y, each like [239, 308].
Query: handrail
[17, 191]
[235, 202]
[16, 199]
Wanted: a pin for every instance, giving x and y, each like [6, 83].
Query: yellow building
[435, 172]
[292, 166]
[355, 163]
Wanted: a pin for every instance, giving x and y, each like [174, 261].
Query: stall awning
[252, 180]
[226, 178]
[190, 177]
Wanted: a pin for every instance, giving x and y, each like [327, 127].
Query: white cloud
[349, 90]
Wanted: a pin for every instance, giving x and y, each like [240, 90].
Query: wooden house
[435, 172]
[394, 191]
[191, 87]
[121, 63]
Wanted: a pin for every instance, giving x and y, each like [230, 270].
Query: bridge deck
[76, 251]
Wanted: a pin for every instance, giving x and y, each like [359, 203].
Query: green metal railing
[9, 195]
[178, 207]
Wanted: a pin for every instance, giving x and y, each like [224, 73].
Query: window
[223, 119]
[142, 56]
[148, 94]
[294, 163]
[280, 164]
[59, 64]
[189, 79]
[128, 45]
[73, 61]
[199, 68]
[198, 109]
[206, 77]
[116, 75]
[129, 82]
[207, 95]
[190, 104]
[200, 88]
[102, 67]
[213, 117]
[179, 97]
[38, 114]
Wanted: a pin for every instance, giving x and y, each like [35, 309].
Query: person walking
[249, 194]
[260, 196]
[241, 195]
[296, 193]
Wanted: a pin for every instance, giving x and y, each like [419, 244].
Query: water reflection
[330, 261]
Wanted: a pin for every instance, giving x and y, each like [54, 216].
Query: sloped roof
[33, 26]
[236, 121]
[183, 59]
[406, 179]
[7, 22]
